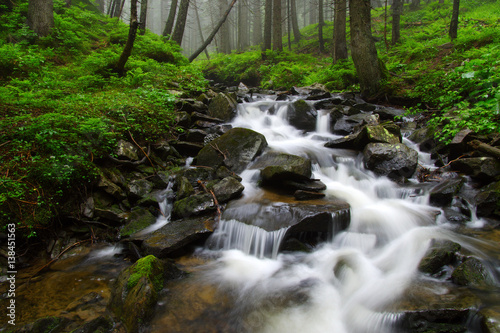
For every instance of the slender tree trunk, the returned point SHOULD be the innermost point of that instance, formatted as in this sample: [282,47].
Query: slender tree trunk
[198,22]
[169,25]
[454,19]
[41,16]
[132,32]
[277,32]
[397,9]
[214,32]
[364,52]
[321,23]
[268,25]
[295,22]
[144,14]
[339,31]
[225,33]
[181,22]
[257,23]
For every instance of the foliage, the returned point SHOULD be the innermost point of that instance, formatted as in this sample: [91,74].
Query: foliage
[62,109]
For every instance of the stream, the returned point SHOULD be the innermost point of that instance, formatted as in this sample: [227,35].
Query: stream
[350,281]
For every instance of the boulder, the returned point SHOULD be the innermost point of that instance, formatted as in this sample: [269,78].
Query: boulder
[186,148]
[135,292]
[302,116]
[442,253]
[488,201]
[190,105]
[139,188]
[388,113]
[223,106]
[395,161]
[424,137]
[347,125]
[176,237]
[137,220]
[227,189]
[193,205]
[442,194]
[234,149]
[277,167]
[322,216]
[126,151]
[472,272]
[368,134]
[483,169]
[184,188]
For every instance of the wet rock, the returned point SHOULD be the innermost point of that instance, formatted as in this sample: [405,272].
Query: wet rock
[47,324]
[393,129]
[139,188]
[235,150]
[87,208]
[442,253]
[483,169]
[175,238]
[197,117]
[320,217]
[135,292]
[137,220]
[307,195]
[184,188]
[223,106]
[458,145]
[329,103]
[223,172]
[193,175]
[315,89]
[443,193]
[309,185]
[472,272]
[349,124]
[190,105]
[193,205]
[490,319]
[111,188]
[302,116]
[434,307]
[366,107]
[126,151]
[395,161]
[377,134]
[186,148]
[388,113]
[277,167]
[424,137]
[183,119]
[227,189]
[165,151]
[488,201]
[110,214]
[196,135]
[97,325]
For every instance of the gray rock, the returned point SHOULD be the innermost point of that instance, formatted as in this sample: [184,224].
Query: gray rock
[442,194]
[137,220]
[174,238]
[302,116]
[139,188]
[235,150]
[395,161]
[223,106]
[439,255]
[227,189]
[480,168]
[126,150]
[277,167]
[472,272]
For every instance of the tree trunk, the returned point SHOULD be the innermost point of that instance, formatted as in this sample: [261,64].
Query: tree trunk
[41,16]
[321,23]
[257,23]
[214,32]
[181,22]
[364,53]
[339,31]
[277,32]
[415,4]
[268,25]
[295,21]
[169,25]
[454,19]
[225,33]
[198,22]
[144,14]
[132,32]
[397,10]
[242,26]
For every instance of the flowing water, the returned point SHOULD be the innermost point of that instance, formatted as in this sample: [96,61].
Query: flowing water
[345,284]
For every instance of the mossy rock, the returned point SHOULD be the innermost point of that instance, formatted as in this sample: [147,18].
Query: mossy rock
[193,205]
[235,150]
[138,219]
[135,292]
[441,254]
[472,272]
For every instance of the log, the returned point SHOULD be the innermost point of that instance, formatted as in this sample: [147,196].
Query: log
[485,148]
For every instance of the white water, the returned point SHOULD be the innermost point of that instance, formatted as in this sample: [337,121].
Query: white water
[347,283]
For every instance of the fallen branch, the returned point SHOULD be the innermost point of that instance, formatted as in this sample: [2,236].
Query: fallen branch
[58,256]
[215,147]
[485,148]
[216,202]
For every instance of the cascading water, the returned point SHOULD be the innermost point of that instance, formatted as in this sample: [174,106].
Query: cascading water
[343,285]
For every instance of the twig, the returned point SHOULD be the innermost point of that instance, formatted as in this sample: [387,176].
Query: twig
[456,159]
[214,146]
[216,202]
[6,142]
[57,258]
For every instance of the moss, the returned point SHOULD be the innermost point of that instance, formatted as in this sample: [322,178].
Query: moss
[149,267]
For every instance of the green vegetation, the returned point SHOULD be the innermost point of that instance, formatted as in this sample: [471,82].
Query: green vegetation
[63,109]
[457,82]
[149,267]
